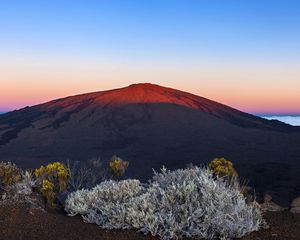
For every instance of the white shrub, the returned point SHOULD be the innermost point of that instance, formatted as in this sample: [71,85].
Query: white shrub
[105,203]
[79,202]
[182,203]
[25,186]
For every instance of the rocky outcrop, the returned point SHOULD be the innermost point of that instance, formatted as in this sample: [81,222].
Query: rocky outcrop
[269,206]
[295,205]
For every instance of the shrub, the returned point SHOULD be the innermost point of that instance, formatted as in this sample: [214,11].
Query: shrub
[10,174]
[52,180]
[104,204]
[26,185]
[117,166]
[47,190]
[85,174]
[19,188]
[184,203]
[222,168]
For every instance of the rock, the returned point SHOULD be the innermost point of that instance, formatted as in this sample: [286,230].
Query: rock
[31,213]
[267,198]
[295,206]
[295,210]
[4,196]
[296,203]
[271,207]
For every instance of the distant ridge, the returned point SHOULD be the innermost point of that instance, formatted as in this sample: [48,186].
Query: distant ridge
[150,126]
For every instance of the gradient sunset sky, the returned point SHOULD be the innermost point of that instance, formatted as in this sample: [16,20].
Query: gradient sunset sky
[245,54]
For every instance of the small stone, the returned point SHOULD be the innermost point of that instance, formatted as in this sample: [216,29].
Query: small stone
[267,198]
[271,207]
[295,203]
[295,210]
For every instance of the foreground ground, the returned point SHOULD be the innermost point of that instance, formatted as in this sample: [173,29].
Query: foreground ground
[18,223]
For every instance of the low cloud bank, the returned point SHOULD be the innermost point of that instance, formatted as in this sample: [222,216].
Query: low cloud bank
[292,120]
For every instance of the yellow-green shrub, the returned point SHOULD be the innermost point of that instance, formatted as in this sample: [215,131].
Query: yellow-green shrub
[53,179]
[222,167]
[10,174]
[117,166]
[48,191]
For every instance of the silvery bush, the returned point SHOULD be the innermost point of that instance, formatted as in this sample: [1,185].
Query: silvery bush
[175,204]
[106,204]
[25,186]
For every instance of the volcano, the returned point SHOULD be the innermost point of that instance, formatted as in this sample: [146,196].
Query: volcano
[151,126]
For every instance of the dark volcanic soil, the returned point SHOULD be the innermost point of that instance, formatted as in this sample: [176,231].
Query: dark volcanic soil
[19,223]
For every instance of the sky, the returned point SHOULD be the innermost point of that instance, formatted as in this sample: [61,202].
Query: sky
[245,54]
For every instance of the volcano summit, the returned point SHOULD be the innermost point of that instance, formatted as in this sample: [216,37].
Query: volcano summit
[150,126]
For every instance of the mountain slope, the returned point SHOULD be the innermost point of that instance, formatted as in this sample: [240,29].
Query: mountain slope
[151,126]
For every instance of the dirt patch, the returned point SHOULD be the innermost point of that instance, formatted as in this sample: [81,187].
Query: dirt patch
[282,225]
[20,223]
[17,223]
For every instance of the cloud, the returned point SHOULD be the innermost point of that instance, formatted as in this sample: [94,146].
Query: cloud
[292,120]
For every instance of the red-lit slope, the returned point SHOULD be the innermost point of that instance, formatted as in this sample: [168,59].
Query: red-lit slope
[146,93]
[135,94]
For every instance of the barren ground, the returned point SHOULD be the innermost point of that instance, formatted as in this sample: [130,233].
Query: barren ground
[20,223]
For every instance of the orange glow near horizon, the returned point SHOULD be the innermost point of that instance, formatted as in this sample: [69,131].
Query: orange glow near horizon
[254,90]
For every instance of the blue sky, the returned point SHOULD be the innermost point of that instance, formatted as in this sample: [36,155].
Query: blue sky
[165,28]
[225,36]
